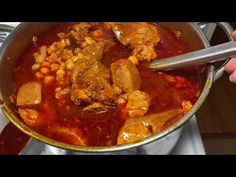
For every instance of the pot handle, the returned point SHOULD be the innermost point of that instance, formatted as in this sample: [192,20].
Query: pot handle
[227,28]
[4,31]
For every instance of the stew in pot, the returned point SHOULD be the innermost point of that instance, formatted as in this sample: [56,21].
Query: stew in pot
[88,84]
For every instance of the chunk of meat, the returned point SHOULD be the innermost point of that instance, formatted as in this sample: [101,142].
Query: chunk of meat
[101,91]
[29,94]
[80,96]
[138,128]
[96,70]
[30,116]
[142,37]
[88,65]
[68,134]
[96,50]
[79,32]
[138,103]
[144,52]
[134,104]
[82,65]
[97,90]
[132,34]
[125,75]
[158,121]
[83,26]
[95,108]
[132,133]
[91,79]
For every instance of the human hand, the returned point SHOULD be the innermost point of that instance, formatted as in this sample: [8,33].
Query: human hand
[230,67]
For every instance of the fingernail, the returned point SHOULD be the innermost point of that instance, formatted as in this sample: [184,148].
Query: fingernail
[232,79]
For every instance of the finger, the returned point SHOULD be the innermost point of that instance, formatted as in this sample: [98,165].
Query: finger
[230,66]
[234,35]
[232,77]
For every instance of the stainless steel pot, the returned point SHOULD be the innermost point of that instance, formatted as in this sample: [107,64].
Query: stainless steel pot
[164,142]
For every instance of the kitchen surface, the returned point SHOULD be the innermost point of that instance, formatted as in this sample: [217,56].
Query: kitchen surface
[211,131]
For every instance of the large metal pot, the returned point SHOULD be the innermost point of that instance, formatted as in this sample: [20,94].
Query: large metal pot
[21,38]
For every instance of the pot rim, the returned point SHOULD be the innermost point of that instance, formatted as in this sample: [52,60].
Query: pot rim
[95,149]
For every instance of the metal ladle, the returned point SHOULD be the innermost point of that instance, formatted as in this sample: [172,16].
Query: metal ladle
[204,56]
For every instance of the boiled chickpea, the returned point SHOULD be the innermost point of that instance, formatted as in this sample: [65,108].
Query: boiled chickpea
[54,67]
[48,79]
[35,67]
[44,70]
[70,65]
[39,75]
[45,64]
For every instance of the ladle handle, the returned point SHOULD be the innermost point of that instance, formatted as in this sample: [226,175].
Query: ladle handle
[210,55]
[204,56]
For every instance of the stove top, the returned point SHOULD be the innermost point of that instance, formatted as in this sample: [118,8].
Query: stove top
[190,141]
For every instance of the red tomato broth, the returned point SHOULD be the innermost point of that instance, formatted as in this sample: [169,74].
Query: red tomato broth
[102,129]
[12,140]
